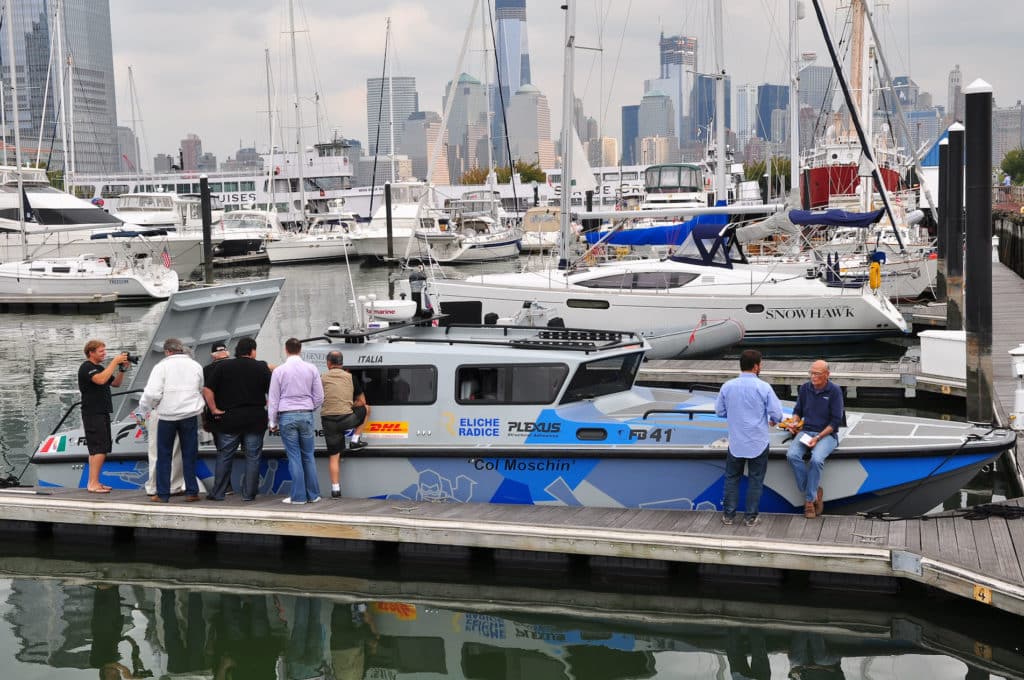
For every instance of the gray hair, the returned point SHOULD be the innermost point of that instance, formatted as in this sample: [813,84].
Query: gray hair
[174,346]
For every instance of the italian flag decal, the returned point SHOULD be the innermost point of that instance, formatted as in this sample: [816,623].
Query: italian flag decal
[56,444]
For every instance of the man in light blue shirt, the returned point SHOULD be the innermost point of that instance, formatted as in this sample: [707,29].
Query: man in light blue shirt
[751,408]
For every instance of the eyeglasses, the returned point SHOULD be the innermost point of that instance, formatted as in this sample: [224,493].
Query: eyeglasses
[813,373]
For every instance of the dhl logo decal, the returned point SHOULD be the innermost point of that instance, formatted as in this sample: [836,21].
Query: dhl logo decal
[385,430]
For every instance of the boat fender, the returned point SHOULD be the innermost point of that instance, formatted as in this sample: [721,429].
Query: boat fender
[875,275]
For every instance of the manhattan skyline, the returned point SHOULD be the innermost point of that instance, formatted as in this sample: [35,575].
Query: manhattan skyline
[207,76]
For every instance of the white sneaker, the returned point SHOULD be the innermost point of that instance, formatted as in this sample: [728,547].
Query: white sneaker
[316,500]
[291,502]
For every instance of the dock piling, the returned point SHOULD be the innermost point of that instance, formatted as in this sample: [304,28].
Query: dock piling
[977,294]
[204,202]
[955,230]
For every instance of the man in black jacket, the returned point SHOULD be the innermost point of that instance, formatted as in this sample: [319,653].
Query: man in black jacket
[236,394]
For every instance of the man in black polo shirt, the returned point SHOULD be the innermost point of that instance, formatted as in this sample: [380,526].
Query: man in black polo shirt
[236,394]
[819,404]
[94,382]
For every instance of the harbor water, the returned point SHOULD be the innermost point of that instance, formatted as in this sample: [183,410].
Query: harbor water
[74,606]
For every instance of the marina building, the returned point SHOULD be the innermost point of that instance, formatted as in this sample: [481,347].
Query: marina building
[88,87]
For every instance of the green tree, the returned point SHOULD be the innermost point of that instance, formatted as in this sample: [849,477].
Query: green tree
[529,172]
[757,170]
[1013,165]
[474,176]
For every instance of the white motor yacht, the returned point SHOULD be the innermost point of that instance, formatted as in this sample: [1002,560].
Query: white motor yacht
[326,239]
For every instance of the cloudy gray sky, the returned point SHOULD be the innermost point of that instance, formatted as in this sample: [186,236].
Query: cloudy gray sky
[199,64]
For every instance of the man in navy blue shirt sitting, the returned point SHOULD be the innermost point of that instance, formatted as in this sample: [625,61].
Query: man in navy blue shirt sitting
[819,405]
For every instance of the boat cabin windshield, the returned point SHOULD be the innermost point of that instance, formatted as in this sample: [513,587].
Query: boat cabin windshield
[245,221]
[673,178]
[706,245]
[603,376]
[145,202]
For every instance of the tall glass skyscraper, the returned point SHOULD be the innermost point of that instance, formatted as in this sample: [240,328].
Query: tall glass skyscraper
[512,55]
[90,81]
[379,96]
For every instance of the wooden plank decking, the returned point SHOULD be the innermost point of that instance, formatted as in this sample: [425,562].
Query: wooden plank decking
[979,560]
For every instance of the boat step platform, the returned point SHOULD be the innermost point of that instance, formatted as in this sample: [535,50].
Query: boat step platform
[978,559]
[904,377]
[58,304]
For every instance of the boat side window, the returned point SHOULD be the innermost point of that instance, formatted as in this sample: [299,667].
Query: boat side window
[61,270]
[619,281]
[111,190]
[603,376]
[511,384]
[662,280]
[397,385]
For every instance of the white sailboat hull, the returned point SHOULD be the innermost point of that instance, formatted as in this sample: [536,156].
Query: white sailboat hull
[302,249]
[773,309]
[19,279]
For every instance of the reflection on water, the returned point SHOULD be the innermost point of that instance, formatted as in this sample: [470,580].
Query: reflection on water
[150,624]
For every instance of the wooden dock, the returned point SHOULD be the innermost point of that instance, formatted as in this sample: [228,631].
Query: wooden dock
[58,304]
[979,560]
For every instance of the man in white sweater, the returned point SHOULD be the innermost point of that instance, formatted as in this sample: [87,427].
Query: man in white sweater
[175,391]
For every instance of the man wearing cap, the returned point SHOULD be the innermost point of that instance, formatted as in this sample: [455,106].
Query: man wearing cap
[218,353]
[175,391]
[236,395]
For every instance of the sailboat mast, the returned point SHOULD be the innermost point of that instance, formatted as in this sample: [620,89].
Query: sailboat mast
[568,74]
[58,17]
[391,102]
[487,85]
[721,190]
[131,105]
[794,95]
[9,20]
[301,155]
[270,136]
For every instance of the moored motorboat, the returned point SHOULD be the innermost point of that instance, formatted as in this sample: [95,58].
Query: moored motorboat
[512,414]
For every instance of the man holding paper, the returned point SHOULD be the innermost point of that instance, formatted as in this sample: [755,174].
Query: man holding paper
[818,415]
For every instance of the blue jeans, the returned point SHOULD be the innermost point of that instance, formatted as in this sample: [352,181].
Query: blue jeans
[756,468]
[808,476]
[297,436]
[227,444]
[187,432]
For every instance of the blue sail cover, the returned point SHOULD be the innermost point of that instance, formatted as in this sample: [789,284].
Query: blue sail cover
[666,235]
[834,218]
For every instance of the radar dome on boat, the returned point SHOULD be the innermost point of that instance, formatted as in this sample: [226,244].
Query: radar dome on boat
[391,310]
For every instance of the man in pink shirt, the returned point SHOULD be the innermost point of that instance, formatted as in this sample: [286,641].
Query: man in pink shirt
[295,394]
